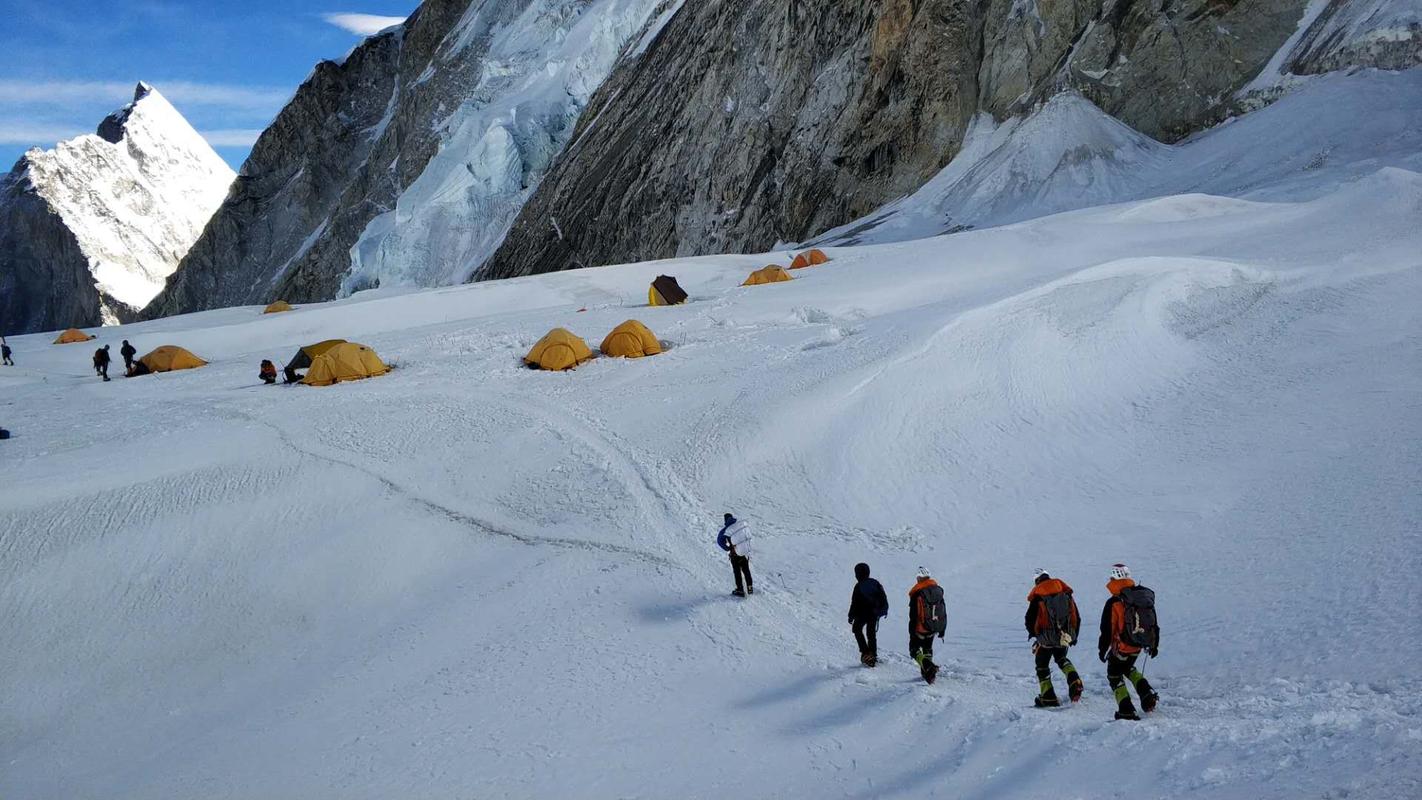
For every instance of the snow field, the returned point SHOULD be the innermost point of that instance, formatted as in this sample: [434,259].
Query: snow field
[469,579]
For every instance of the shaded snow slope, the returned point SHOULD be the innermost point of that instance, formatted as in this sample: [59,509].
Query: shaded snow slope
[469,579]
[1069,154]
[135,195]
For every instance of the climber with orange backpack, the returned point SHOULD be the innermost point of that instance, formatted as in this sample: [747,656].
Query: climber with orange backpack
[1128,628]
[1053,623]
[928,617]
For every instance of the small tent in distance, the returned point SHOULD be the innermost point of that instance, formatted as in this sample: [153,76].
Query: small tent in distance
[559,349]
[631,339]
[345,361]
[277,307]
[169,358]
[305,356]
[770,274]
[665,291]
[72,336]
[809,258]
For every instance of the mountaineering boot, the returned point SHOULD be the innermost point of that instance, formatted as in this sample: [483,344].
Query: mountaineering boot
[1149,701]
[750,590]
[1046,702]
[738,592]
[1074,689]
[868,659]
[1130,715]
[1125,708]
[1046,694]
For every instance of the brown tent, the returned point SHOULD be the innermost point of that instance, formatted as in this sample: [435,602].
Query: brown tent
[665,291]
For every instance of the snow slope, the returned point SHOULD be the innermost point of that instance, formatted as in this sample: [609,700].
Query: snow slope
[1069,154]
[136,195]
[469,579]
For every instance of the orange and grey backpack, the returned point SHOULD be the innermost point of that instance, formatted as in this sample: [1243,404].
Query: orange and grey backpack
[932,611]
[1058,620]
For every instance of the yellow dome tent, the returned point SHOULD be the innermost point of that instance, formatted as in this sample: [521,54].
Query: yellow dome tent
[73,335]
[665,291]
[809,258]
[171,357]
[770,274]
[344,361]
[631,339]
[277,307]
[560,349]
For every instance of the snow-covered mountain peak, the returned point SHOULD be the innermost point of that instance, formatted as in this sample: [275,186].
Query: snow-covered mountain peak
[135,194]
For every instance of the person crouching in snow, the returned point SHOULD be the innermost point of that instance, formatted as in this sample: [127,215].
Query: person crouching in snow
[268,373]
[735,539]
[928,617]
[867,605]
[1128,627]
[1053,623]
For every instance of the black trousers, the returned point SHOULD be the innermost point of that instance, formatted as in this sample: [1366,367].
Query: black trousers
[924,643]
[127,363]
[866,633]
[103,369]
[740,565]
[1045,656]
[1118,672]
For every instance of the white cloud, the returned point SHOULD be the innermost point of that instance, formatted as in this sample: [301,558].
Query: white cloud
[36,134]
[361,24]
[232,137]
[257,99]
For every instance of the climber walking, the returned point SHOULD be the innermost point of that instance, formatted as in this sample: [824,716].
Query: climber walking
[101,362]
[735,539]
[128,353]
[1128,628]
[1053,623]
[867,605]
[5,354]
[928,617]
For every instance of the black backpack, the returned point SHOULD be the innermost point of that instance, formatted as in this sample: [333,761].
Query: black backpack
[1140,628]
[1058,616]
[932,611]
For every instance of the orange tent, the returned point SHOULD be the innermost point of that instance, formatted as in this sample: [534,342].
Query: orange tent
[631,339]
[73,335]
[809,258]
[560,349]
[770,274]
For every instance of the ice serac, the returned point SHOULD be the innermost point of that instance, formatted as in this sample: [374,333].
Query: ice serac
[823,110]
[1386,34]
[90,229]
[405,163]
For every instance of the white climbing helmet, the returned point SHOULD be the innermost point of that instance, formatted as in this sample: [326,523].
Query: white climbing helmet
[923,573]
[1120,572]
[1040,574]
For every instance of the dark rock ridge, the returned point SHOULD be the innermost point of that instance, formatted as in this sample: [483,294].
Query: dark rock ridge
[44,276]
[752,122]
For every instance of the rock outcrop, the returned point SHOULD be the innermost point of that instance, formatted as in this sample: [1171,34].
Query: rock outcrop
[90,229]
[752,122]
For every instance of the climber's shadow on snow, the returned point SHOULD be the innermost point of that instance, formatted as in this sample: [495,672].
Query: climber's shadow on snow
[795,688]
[677,611]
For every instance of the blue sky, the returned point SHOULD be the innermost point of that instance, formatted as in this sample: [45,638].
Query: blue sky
[228,65]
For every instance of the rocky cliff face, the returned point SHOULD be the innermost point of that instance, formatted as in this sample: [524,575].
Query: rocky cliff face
[750,122]
[90,229]
[408,160]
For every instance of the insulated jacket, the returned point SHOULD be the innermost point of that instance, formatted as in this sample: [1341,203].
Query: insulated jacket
[913,604]
[127,351]
[1036,619]
[1113,619]
[868,602]
[735,538]
[101,356]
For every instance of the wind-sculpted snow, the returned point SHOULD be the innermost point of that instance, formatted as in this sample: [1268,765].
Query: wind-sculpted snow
[466,578]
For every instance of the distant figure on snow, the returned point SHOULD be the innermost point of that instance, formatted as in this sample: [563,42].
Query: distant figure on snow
[268,373]
[1128,627]
[735,539]
[128,353]
[101,362]
[1053,623]
[867,605]
[928,617]
[5,355]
